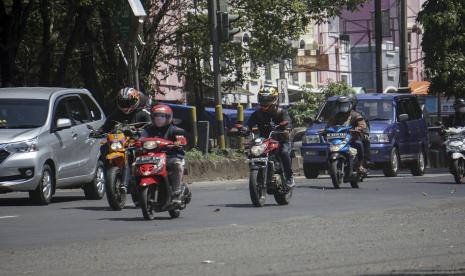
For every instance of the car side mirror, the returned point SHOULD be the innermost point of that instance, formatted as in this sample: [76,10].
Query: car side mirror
[403,117]
[63,123]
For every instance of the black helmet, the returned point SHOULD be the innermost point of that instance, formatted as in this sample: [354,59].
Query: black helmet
[459,106]
[344,104]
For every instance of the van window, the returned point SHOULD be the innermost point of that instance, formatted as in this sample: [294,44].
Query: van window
[94,111]
[403,108]
[414,109]
[375,109]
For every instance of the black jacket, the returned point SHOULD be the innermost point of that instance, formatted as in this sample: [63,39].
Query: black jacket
[263,119]
[169,133]
[455,121]
[138,116]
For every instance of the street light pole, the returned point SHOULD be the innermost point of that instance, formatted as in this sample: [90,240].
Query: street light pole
[378,42]
[403,45]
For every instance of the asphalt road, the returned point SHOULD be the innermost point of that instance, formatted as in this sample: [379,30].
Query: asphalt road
[390,226]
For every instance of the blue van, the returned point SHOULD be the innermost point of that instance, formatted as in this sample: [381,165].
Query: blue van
[398,134]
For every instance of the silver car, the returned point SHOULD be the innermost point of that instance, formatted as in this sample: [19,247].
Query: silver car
[45,144]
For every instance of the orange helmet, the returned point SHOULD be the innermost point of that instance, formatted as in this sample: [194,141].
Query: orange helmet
[161,114]
[128,100]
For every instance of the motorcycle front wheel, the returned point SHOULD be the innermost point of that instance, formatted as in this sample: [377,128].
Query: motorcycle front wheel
[336,171]
[257,187]
[116,198]
[147,197]
[283,198]
[458,170]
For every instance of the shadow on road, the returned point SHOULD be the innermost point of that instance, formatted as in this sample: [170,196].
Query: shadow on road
[24,201]
[321,187]
[97,208]
[135,219]
[238,205]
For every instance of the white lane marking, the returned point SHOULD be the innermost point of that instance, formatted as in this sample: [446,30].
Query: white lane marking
[8,217]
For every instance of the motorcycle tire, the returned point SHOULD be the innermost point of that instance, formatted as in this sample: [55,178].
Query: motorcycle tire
[458,170]
[257,187]
[336,171]
[147,195]
[174,213]
[283,198]
[115,198]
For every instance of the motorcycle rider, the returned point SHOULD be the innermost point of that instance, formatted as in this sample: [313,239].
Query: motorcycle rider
[346,115]
[458,118]
[270,112]
[130,107]
[162,127]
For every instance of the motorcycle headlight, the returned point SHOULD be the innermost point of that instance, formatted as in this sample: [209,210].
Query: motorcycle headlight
[23,146]
[311,139]
[115,146]
[258,150]
[456,144]
[150,145]
[379,138]
[336,147]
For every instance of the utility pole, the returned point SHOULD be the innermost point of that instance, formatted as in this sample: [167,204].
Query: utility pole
[378,42]
[213,20]
[403,46]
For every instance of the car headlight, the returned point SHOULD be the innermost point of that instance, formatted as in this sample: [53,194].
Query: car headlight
[115,146]
[258,150]
[23,146]
[311,139]
[379,138]
[150,145]
[336,147]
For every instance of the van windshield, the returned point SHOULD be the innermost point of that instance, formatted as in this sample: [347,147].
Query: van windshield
[374,110]
[22,113]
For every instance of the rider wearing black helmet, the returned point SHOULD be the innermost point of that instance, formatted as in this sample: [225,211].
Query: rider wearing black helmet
[346,115]
[269,113]
[458,118]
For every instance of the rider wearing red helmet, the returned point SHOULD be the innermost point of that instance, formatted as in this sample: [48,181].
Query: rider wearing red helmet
[162,127]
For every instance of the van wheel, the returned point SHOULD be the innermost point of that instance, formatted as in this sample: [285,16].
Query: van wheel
[96,188]
[418,168]
[391,168]
[42,195]
[310,173]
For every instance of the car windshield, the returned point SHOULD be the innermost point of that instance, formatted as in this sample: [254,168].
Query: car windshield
[22,113]
[374,110]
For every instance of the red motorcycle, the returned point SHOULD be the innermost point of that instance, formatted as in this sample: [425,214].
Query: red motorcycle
[266,168]
[155,190]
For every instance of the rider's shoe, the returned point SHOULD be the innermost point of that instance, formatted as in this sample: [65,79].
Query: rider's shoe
[290,182]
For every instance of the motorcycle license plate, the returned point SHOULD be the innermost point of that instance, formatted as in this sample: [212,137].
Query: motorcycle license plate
[336,135]
[261,159]
[147,160]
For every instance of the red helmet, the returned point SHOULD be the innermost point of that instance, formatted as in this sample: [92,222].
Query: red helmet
[128,100]
[162,115]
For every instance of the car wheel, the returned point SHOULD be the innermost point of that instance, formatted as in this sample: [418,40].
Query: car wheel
[391,168]
[418,168]
[43,193]
[311,172]
[96,188]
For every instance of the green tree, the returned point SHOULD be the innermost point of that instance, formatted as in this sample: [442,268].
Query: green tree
[444,45]
[312,101]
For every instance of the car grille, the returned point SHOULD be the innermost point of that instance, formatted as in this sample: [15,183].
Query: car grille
[3,155]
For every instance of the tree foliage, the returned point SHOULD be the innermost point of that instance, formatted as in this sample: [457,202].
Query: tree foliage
[73,43]
[444,45]
[312,101]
